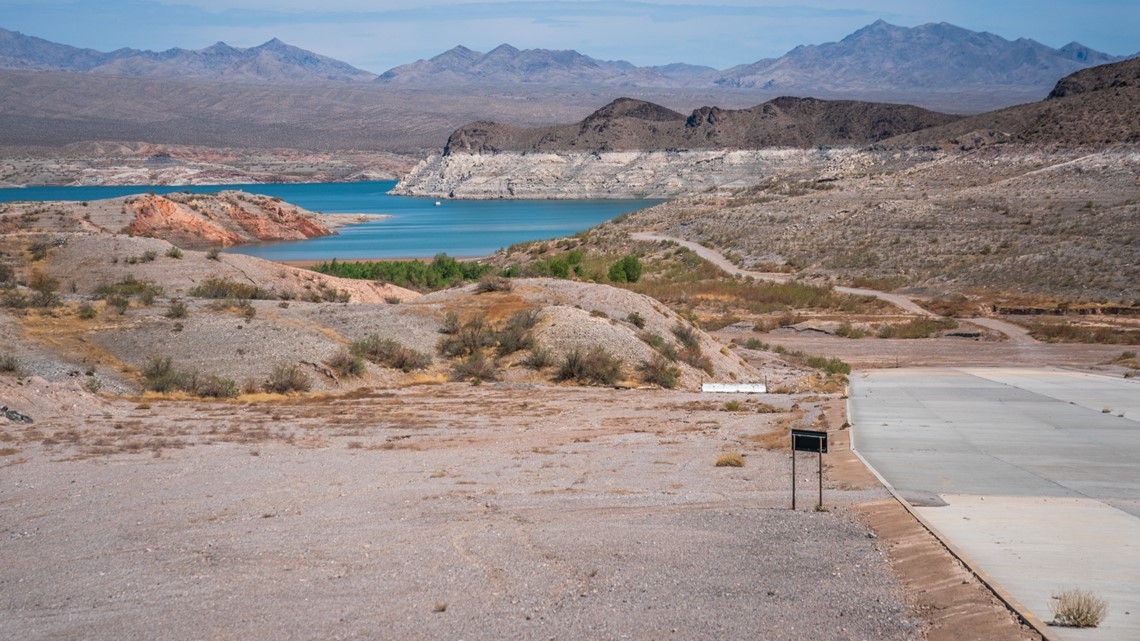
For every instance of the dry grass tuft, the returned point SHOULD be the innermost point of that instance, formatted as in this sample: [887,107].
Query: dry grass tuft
[1077,609]
[730,459]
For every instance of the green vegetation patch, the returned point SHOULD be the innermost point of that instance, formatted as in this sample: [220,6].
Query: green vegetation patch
[442,272]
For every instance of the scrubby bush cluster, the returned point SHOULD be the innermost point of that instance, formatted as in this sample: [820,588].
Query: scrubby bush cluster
[388,352]
[592,366]
[119,295]
[660,371]
[918,328]
[472,339]
[287,377]
[162,376]
[346,364]
[225,288]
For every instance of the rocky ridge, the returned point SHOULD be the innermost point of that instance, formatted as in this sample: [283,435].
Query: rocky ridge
[633,148]
[613,174]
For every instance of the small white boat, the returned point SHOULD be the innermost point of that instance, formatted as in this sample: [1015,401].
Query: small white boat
[437,203]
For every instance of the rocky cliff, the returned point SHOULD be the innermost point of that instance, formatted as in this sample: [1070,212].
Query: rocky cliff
[612,174]
[633,148]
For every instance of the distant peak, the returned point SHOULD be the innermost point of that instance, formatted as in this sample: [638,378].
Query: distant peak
[504,48]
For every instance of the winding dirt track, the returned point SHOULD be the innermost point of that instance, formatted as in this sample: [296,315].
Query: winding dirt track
[716,258]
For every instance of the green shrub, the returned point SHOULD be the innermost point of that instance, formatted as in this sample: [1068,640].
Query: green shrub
[286,378]
[177,309]
[626,270]
[87,311]
[513,338]
[224,288]
[39,250]
[161,376]
[346,364]
[174,252]
[635,319]
[756,344]
[118,303]
[918,328]
[659,371]
[594,366]
[687,335]
[211,386]
[128,287]
[658,343]
[538,358]
[830,365]
[214,254]
[443,271]
[847,331]
[475,368]
[471,337]
[696,359]
[451,324]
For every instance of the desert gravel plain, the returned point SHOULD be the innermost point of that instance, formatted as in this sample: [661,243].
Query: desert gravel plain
[452,511]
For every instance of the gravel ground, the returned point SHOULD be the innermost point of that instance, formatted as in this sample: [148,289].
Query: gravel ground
[437,512]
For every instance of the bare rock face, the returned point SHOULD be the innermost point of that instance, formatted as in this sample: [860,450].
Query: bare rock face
[632,148]
[635,125]
[612,174]
[221,220]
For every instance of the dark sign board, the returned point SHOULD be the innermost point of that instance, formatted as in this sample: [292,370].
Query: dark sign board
[809,441]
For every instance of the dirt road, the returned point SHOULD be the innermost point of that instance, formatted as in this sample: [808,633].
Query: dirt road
[720,261]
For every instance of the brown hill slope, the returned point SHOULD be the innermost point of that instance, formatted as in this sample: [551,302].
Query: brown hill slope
[628,124]
[1092,107]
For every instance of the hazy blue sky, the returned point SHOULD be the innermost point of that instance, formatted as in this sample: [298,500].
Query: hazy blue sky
[379,34]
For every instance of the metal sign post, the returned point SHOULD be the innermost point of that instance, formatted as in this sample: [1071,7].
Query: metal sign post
[808,441]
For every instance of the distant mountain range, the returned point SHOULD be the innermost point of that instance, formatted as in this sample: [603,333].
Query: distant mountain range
[273,61]
[1098,106]
[506,65]
[931,58]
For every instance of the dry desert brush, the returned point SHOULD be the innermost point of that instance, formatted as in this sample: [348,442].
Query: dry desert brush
[730,459]
[285,378]
[388,352]
[594,366]
[1077,609]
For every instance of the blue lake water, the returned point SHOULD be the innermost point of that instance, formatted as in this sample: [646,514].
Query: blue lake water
[417,227]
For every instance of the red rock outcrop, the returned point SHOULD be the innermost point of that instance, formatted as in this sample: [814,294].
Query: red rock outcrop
[220,221]
[159,217]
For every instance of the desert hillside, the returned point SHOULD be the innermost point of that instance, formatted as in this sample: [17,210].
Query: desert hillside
[635,125]
[113,287]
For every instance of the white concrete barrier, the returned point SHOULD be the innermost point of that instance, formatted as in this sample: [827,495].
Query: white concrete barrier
[738,388]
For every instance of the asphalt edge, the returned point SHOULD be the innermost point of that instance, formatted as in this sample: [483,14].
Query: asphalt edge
[1021,612]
